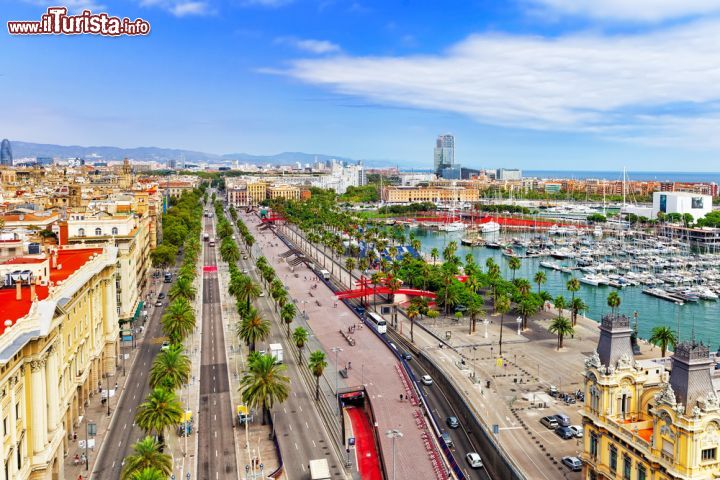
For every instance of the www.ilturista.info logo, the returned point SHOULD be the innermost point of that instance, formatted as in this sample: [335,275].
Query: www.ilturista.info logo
[57,22]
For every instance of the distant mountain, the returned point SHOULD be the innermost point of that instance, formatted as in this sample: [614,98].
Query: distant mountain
[27,149]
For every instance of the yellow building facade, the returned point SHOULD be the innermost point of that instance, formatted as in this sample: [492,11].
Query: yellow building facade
[435,194]
[58,341]
[649,419]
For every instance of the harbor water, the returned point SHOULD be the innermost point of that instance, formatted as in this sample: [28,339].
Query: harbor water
[702,317]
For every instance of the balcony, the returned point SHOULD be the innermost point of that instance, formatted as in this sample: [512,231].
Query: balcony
[635,429]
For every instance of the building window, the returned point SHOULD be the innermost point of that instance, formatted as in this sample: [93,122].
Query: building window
[5,429]
[627,467]
[593,445]
[81,232]
[98,232]
[114,231]
[17,411]
[642,473]
[709,454]
[613,458]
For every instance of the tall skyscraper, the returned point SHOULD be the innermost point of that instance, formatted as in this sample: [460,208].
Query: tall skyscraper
[5,153]
[444,152]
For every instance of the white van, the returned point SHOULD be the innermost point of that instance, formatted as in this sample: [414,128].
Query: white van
[325,274]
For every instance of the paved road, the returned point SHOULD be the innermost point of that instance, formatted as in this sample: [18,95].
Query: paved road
[216,439]
[119,440]
[298,425]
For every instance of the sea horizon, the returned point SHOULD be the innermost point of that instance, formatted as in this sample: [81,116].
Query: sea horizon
[659,176]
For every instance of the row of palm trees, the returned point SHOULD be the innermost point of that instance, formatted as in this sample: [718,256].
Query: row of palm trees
[170,369]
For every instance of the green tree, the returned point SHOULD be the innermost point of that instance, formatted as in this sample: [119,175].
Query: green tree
[514,265]
[560,304]
[264,385]
[562,327]
[540,278]
[412,313]
[502,306]
[253,329]
[300,337]
[179,320]
[577,306]
[317,364]
[573,285]
[146,454]
[248,291]
[159,411]
[149,473]
[663,337]
[164,255]
[287,313]
[434,254]
[170,369]
[183,287]
[474,309]
[613,301]
[526,309]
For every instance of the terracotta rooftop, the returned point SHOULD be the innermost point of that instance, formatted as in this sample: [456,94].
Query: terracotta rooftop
[12,309]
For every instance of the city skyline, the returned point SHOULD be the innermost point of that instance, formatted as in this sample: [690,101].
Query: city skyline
[249,72]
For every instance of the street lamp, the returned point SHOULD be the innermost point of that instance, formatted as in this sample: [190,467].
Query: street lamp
[486,322]
[394,433]
[518,320]
[337,370]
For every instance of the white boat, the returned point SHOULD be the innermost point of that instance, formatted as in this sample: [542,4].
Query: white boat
[490,227]
[550,265]
[595,280]
[452,227]
[598,231]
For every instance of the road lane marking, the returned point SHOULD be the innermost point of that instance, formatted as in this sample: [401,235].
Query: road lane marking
[314,446]
[296,447]
[290,425]
[307,426]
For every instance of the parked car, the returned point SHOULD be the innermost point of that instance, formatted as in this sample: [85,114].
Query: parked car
[159,303]
[426,380]
[550,422]
[161,295]
[573,463]
[562,420]
[406,356]
[564,432]
[165,346]
[577,430]
[452,422]
[447,439]
[474,460]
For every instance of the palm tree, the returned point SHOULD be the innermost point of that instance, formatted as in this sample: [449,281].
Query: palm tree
[264,384]
[434,254]
[170,369]
[287,313]
[300,337]
[160,410]
[376,279]
[179,320]
[474,309]
[248,291]
[663,337]
[523,286]
[545,297]
[146,454]
[560,304]
[350,266]
[562,327]
[577,305]
[613,301]
[514,265]
[502,306]
[412,313]
[539,279]
[182,287]
[573,285]
[253,329]
[149,473]
[527,308]
[317,364]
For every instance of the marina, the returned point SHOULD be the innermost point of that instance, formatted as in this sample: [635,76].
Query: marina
[664,283]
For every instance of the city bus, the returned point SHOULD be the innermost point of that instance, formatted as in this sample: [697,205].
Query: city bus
[378,322]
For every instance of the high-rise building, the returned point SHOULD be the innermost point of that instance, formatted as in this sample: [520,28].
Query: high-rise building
[508,174]
[444,152]
[6,157]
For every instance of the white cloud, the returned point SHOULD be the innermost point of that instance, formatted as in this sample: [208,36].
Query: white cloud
[631,10]
[309,45]
[181,8]
[629,85]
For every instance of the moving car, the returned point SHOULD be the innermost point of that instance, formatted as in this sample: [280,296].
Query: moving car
[452,422]
[577,430]
[426,380]
[573,463]
[159,303]
[447,439]
[474,460]
[406,356]
[161,295]
[550,422]
[564,432]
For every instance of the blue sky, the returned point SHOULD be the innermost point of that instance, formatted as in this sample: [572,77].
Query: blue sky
[535,84]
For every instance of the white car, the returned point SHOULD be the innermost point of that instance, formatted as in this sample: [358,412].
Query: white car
[426,380]
[165,346]
[474,460]
[577,430]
